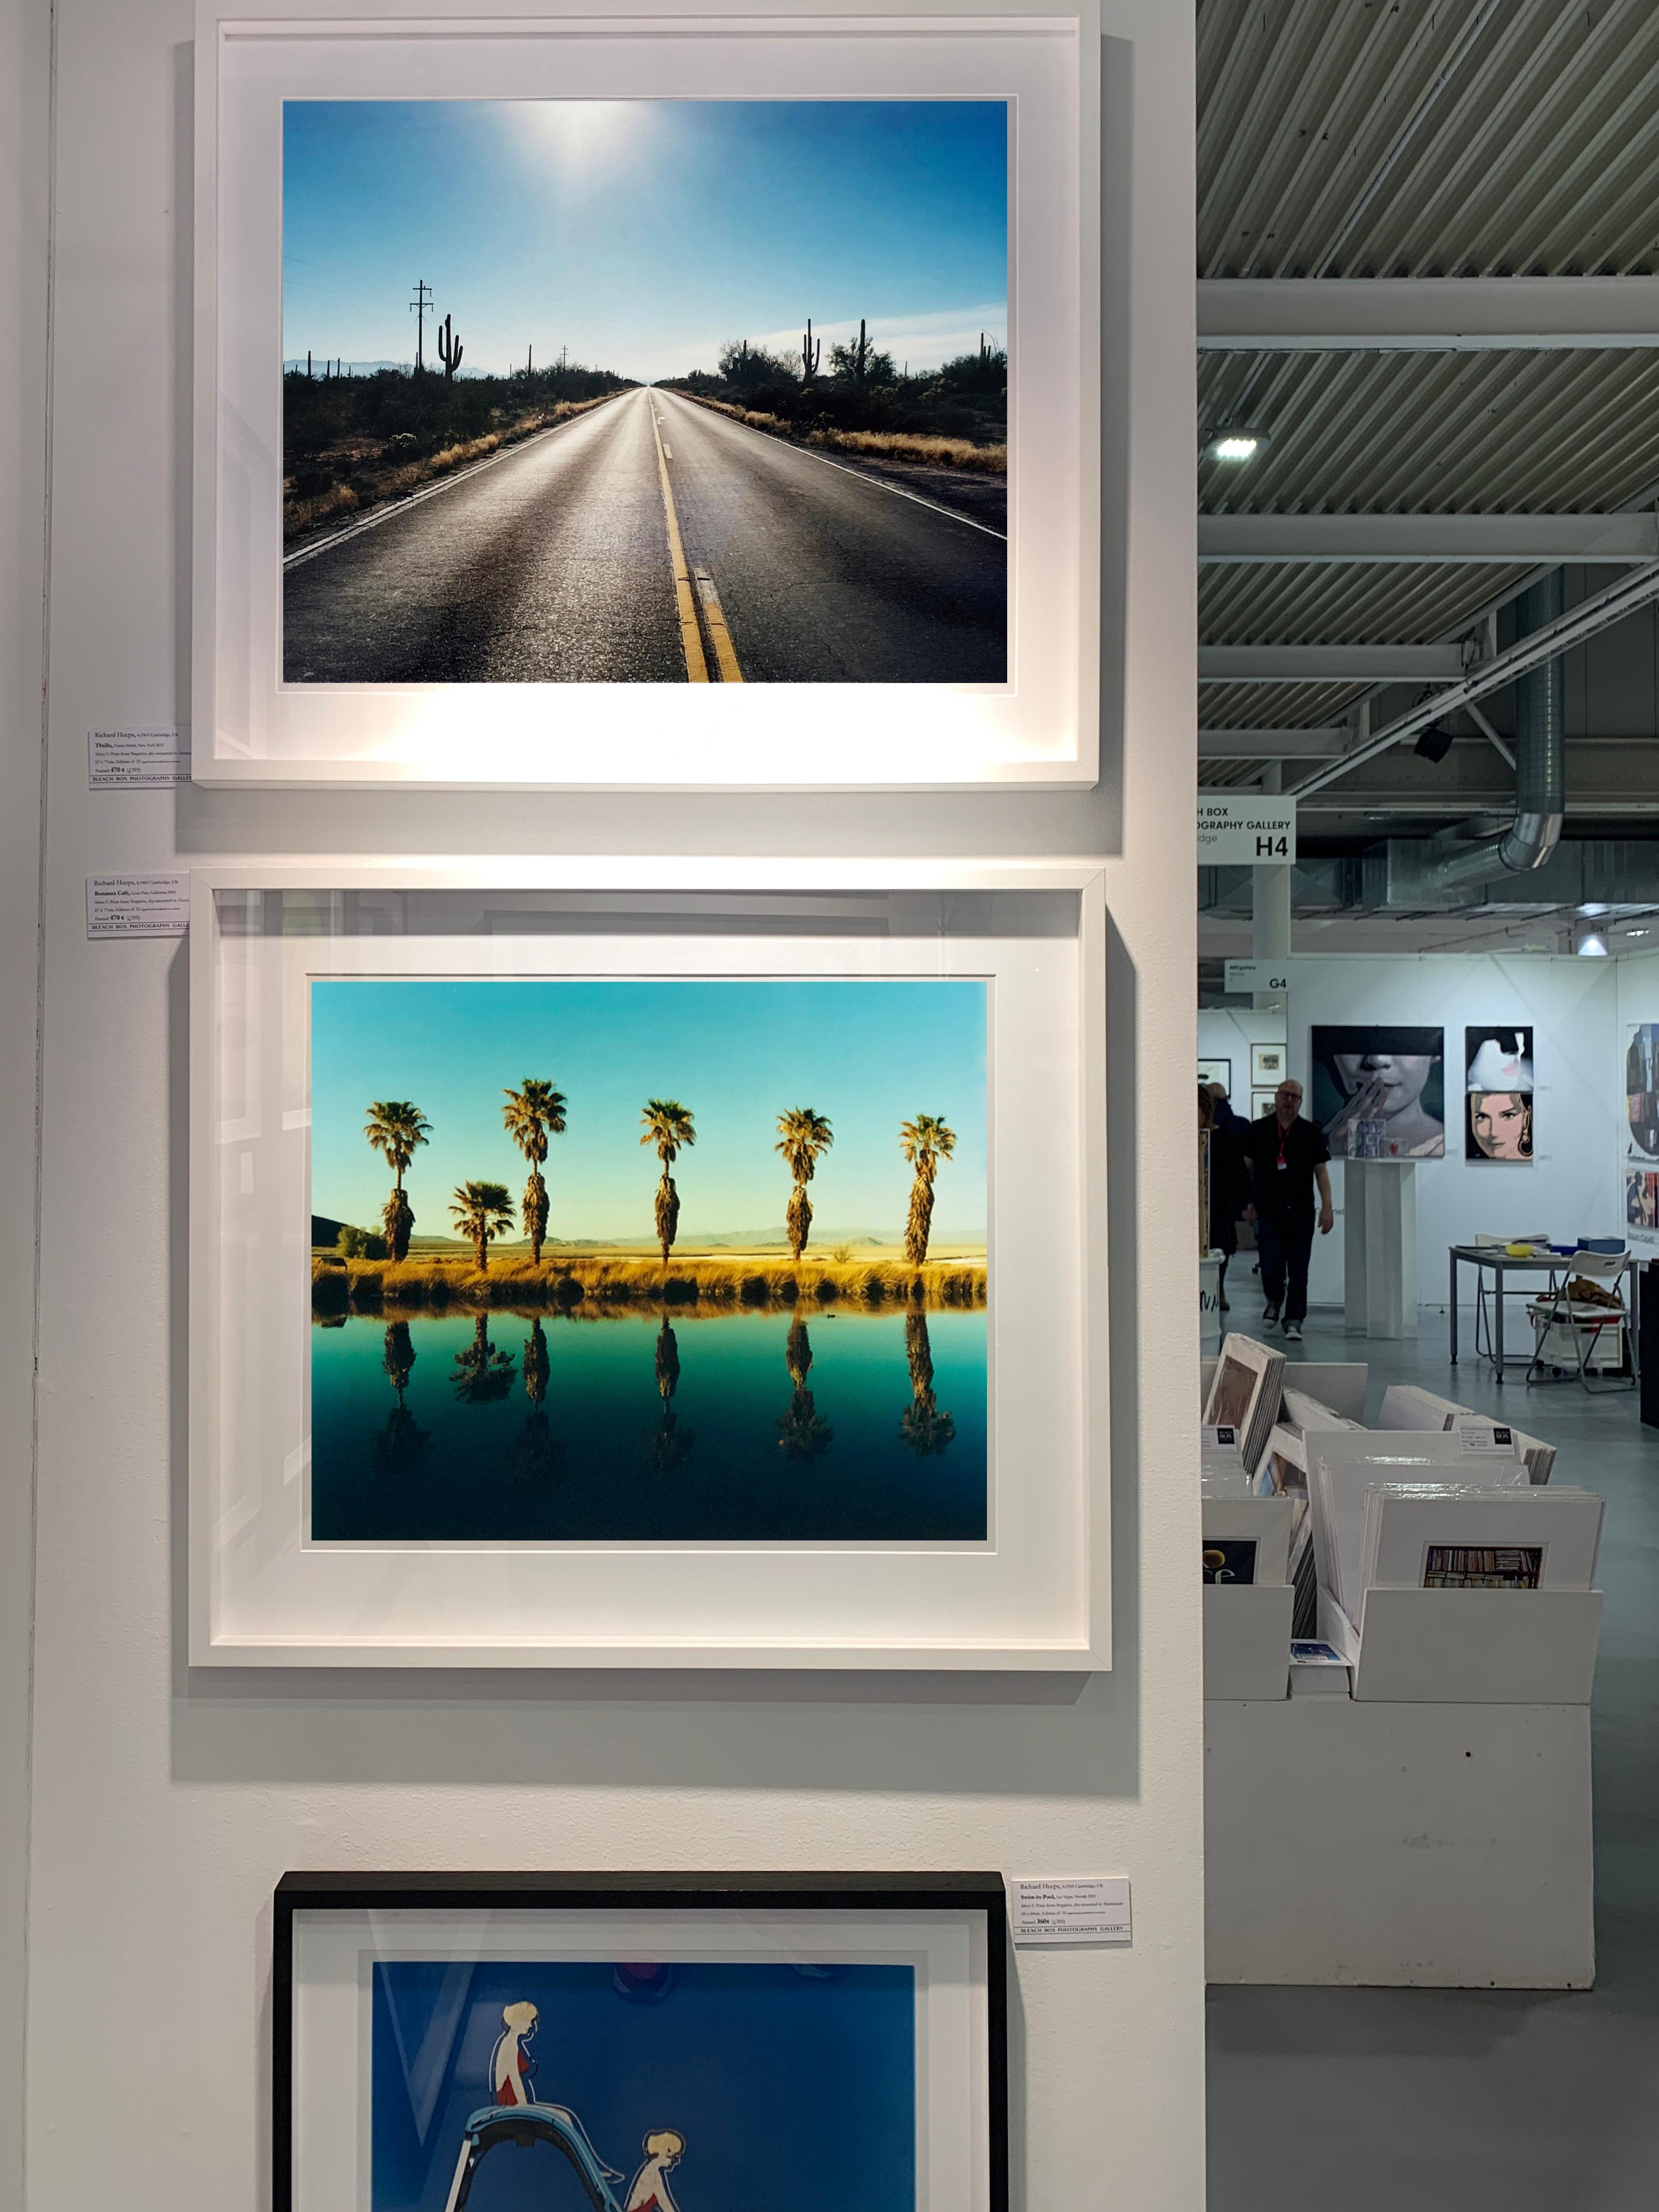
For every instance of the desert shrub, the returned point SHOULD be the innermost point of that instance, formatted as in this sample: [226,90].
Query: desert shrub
[826,1290]
[753,1290]
[567,1292]
[329,1288]
[677,1290]
[871,1287]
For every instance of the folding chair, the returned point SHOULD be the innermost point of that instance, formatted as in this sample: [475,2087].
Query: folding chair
[1558,1317]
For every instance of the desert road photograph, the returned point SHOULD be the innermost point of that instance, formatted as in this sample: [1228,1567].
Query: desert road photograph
[533,435]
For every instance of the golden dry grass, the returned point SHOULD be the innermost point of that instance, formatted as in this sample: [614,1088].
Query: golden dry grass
[601,1281]
[915,446]
[933,453]
[394,483]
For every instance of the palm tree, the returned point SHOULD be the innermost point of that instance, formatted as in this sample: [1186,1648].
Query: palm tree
[668,1127]
[482,1211]
[803,1136]
[924,1142]
[395,1127]
[532,1113]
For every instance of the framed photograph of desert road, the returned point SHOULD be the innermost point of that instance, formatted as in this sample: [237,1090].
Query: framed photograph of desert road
[507,484]
[638,2040]
[601,1263]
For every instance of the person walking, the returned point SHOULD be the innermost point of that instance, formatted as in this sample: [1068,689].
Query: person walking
[1230,1189]
[1287,1157]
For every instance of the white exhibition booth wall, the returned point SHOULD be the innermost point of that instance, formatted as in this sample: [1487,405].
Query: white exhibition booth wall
[164,1800]
[1572,1187]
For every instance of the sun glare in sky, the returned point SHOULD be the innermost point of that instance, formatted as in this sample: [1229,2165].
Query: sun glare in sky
[641,235]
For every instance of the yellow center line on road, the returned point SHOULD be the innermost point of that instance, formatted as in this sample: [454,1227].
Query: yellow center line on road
[714,615]
[696,666]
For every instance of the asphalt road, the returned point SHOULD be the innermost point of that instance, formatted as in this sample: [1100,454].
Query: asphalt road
[555,564]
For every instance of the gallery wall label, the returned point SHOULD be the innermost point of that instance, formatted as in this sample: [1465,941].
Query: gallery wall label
[136,760]
[137,906]
[1070,1909]
[1243,830]
[1266,975]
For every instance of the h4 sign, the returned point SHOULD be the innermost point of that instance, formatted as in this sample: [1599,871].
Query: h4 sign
[1245,829]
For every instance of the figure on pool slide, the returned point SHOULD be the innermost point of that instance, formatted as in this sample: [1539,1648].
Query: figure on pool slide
[513,2076]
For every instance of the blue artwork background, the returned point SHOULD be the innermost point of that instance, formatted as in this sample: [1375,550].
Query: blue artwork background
[795,2092]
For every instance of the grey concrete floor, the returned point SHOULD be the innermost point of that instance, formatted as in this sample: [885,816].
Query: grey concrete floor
[1454,2100]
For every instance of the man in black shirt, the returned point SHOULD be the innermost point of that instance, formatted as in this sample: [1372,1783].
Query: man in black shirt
[1287,1157]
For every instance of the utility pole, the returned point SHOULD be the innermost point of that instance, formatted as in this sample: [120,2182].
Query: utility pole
[418,307]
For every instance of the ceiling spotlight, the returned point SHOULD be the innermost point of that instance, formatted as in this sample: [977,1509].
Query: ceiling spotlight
[1434,744]
[1591,945]
[1236,446]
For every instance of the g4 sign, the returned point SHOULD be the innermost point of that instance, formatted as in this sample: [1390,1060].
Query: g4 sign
[1245,829]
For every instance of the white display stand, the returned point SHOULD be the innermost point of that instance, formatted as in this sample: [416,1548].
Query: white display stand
[1247,1641]
[1424,1846]
[1488,1647]
[1209,1304]
[1379,1228]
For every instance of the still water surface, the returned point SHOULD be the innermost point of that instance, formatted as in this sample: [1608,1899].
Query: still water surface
[744,1427]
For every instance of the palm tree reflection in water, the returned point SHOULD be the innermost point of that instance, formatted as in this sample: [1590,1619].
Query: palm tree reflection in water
[402,1443]
[803,1433]
[670,1445]
[538,1454]
[922,1428]
[482,1375]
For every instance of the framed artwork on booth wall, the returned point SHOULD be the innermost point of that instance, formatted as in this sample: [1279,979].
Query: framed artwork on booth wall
[1217,1070]
[1498,1096]
[499,484]
[1378,1090]
[626,2041]
[1268,1064]
[603,1263]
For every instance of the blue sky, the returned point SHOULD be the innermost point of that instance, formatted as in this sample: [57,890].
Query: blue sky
[642,234]
[868,1054]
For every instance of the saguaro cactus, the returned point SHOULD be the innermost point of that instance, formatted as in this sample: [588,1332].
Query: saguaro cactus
[449,348]
[861,355]
[811,348]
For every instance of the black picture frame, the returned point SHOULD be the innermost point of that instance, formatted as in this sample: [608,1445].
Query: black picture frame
[774,1891]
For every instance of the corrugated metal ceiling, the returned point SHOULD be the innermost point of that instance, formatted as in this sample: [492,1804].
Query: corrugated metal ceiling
[1417,137]
[1535,150]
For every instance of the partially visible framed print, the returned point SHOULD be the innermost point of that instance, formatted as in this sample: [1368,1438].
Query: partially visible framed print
[677,1263]
[1262,1103]
[509,483]
[1216,1071]
[638,2042]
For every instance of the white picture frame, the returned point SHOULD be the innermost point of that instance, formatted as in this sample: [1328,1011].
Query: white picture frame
[1034,1595]
[1038,729]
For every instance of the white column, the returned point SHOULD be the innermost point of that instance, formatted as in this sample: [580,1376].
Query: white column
[1270,903]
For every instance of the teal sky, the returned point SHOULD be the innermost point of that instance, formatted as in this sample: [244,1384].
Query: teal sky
[869,1054]
[643,233]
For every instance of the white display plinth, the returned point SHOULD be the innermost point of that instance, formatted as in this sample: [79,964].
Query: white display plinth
[1247,1640]
[1379,1238]
[1423,1846]
[1209,1303]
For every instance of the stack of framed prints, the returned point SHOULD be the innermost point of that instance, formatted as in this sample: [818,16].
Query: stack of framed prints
[611,2040]
[551,500]
[649,1264]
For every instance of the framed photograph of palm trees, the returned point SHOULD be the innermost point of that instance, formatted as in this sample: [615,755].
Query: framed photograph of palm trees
[592,1271]
[638,2042]
[845,452]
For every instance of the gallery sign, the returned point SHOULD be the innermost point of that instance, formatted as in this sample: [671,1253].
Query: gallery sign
[1270,976]
[1243,830]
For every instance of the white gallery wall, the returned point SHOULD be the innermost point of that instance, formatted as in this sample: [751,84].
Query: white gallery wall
[165,1804]
[1570,1187]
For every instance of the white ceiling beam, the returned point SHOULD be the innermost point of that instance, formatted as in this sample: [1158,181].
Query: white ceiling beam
[1425,314]
[1273,744]
[1252,540]
[1330,664]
